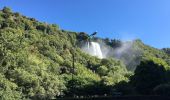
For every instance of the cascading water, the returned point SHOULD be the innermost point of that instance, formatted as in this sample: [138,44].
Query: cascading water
[93,48]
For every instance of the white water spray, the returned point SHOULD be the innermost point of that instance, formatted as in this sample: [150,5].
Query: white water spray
[93,48]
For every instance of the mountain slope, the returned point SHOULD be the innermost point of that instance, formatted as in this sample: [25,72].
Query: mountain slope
[36,61]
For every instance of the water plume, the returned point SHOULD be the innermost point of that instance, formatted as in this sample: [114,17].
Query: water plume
[94,49]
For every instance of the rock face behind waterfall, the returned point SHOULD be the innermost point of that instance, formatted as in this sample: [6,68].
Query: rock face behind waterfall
[93,48]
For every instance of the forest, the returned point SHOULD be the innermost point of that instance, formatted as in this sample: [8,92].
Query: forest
[40,61]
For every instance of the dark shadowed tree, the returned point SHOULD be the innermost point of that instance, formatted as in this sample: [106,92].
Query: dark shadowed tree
[148,75]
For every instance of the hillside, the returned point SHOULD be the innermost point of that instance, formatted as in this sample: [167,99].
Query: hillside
[36,61]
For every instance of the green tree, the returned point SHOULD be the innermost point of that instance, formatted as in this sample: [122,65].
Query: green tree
[148,75]
[102,70]
[6,10]
[8,90]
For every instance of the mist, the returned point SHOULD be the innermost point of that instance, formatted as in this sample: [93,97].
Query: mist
[127,52]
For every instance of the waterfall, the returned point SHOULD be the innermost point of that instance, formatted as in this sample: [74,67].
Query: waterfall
[93,48]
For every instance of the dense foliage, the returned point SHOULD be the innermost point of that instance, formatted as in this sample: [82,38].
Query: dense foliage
[36,61]
[41,61]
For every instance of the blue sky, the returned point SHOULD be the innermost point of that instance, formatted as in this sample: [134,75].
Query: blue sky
[148,20]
